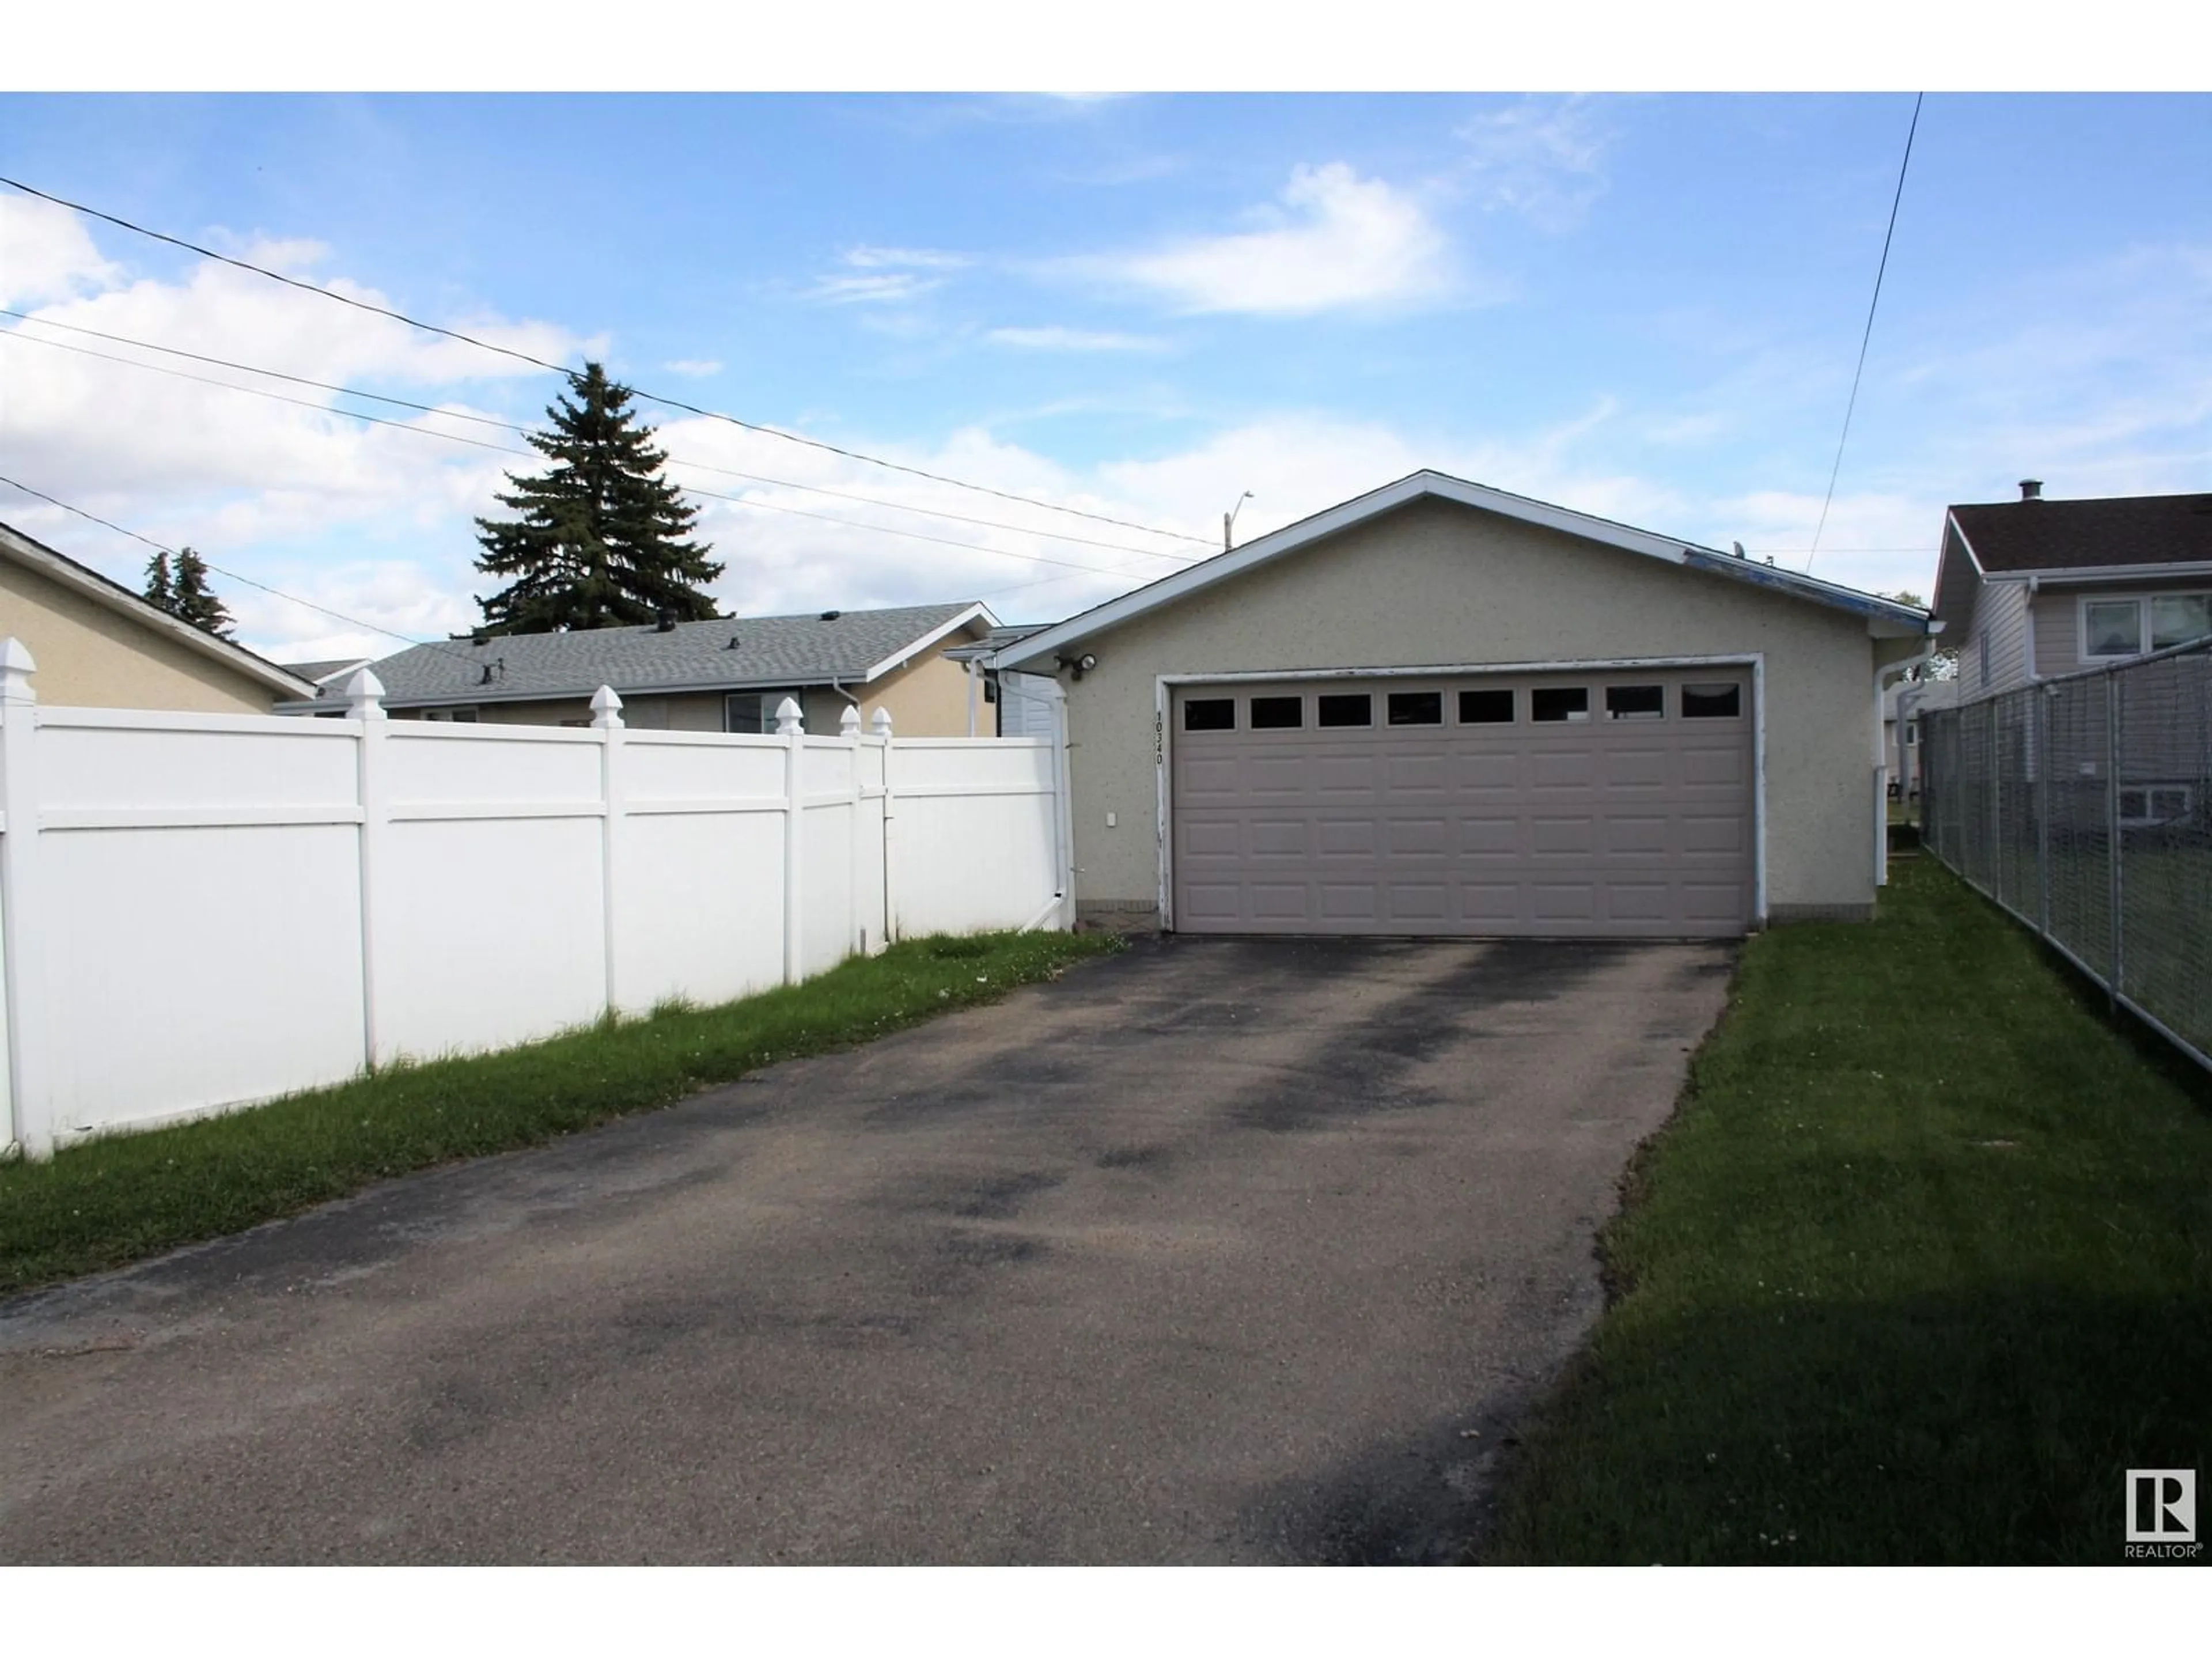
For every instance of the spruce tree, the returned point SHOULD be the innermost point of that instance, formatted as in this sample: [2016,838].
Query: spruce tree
[599,538]
[191,598]
[182,590]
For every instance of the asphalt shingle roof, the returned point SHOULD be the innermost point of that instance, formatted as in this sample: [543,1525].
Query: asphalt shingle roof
[733,652]
[2063,535]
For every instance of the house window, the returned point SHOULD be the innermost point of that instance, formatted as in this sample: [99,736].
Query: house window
[466,716]
[1346,708]
[1911,733]
[2129,627]
[2148,805]
[1560,703]
[1486,707]
[1415,708]
[2178,618]
[1719,701]
[1209,714]
[1278,714]
[754,712]
[1635,702]
[2112,627]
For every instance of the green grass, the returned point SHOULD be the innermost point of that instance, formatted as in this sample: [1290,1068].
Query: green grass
[116,1199]
[1923,1265]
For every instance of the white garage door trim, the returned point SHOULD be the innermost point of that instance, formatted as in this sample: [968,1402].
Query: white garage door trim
[1164,735]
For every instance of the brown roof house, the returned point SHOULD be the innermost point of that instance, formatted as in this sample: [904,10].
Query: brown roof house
[98,644]
[2031,589]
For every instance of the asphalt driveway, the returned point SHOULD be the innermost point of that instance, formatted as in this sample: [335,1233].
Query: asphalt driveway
[1229,1251]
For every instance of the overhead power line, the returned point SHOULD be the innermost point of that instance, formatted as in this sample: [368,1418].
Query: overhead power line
[294,598]
[511,426]
[523,454]
[519,355]
[1881,270]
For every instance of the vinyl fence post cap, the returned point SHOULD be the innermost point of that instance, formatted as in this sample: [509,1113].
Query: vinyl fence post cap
[849,723]
[882,723]
[790,718]
[607,707]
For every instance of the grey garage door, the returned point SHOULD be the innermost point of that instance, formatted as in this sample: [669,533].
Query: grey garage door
[1605,804]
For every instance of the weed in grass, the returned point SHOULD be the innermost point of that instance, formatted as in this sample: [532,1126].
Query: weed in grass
[121,1198]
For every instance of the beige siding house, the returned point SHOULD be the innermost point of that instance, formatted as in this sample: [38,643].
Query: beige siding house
[728,675]
[2037,588]
[1441,709]
[100,646]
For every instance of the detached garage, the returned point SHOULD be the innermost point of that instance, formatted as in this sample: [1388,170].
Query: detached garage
[1440,709]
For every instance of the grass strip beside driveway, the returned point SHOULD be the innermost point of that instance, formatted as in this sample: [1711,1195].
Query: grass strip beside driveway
[116,1199]
[1921,1268]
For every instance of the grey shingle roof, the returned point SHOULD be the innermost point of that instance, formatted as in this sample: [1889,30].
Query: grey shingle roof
[769,651]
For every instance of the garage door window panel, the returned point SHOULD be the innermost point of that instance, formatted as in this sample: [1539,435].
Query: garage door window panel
[1489,707]
[1554,704]
[1635,703]
[1279,714]
[1415,708]
[1343,708]
[1713,702]
[1209,714]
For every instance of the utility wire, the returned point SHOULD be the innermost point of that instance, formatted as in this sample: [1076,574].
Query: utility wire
[523,454]
[1868,335]
[510,425]
[163,547]
[559,368]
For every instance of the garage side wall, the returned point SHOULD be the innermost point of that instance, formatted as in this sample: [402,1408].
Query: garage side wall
[1437,584]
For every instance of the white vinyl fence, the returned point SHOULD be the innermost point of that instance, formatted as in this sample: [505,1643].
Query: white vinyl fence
[203,911]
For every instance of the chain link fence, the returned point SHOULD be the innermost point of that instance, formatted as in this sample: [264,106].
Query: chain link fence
[2083,805]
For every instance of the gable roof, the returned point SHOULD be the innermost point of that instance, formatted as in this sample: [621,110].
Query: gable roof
[2100,537]
[2098,534]
[1883,616]
[81,579]
[730,653]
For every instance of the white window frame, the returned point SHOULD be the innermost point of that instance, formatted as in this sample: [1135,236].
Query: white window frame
[2149,817]
[2143,604]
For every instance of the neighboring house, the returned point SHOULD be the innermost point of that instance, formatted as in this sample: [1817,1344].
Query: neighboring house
[1442,710]
[1003,705]
[98,644]
[728,675]
[2031,589]
[322,671]
[1902,705]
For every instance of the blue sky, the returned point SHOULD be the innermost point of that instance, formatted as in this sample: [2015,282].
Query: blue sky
[1646,307]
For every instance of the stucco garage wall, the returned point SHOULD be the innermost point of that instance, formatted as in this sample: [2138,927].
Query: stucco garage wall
[1436,584]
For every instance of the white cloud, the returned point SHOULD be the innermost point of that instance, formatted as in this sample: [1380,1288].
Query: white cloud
[1542,158]
[1073,339]
[694,368]
[885,275]
[46,254]
[1334,241]
[867,258]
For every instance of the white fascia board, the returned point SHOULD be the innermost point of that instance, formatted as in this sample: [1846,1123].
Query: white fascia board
[907,653]
[59,567]
[1441,486]
[2179,569]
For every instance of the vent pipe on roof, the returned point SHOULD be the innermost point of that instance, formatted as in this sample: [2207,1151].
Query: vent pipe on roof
[2031,489]
[832,616]
[666,623]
